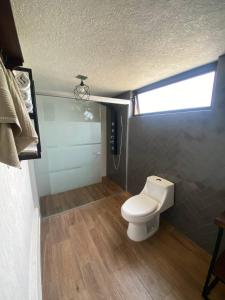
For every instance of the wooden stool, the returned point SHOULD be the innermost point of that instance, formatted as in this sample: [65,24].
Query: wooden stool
[217,266]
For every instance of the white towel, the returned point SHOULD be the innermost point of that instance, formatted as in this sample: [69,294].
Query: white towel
[16,129]
[22,80]
[27,100]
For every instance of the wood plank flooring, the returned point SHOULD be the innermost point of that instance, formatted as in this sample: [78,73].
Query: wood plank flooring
[86,255]
[57,203]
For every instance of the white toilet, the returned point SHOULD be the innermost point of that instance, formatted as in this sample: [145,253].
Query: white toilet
[142,211]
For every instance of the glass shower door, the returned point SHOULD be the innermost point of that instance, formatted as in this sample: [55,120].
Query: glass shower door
[71,144]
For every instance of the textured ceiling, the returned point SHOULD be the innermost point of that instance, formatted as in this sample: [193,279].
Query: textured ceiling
[119,44]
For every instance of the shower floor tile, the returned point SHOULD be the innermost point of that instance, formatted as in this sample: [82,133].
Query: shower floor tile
[54,204]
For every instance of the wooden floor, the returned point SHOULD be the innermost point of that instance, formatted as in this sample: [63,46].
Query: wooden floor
[86,255]
[57,203]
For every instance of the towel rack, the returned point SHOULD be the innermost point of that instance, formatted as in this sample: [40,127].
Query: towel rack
[33,116]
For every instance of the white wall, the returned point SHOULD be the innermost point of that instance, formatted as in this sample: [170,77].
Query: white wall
[19,236]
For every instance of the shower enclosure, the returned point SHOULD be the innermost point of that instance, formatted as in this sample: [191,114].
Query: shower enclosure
[72,144]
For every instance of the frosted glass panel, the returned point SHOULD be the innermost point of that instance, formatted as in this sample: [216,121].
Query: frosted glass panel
[71,145]
[71,133]
[65,180]
[73,157]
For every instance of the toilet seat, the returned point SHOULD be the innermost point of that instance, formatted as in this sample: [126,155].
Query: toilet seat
[140,205]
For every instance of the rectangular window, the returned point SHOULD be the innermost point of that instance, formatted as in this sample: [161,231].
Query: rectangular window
[192,92]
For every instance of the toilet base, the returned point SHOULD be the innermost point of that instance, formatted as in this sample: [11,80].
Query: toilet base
[141,231]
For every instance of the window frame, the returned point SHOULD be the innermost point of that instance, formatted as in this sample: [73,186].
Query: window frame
[174,79]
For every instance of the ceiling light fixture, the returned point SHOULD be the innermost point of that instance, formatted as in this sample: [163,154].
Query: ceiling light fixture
[81,91]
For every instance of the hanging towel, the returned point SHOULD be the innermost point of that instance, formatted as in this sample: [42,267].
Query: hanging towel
[16,129]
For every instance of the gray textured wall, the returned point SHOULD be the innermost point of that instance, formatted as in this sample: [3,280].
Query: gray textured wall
[187,148]
[120,175]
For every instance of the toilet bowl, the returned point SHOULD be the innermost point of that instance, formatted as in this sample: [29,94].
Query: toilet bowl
[143,211]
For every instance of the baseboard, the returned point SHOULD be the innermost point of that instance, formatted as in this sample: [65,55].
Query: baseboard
[35,287]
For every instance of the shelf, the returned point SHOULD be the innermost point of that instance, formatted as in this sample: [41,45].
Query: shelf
[33,116]
[29,155]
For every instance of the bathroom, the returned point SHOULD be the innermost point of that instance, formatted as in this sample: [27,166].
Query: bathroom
[120,193]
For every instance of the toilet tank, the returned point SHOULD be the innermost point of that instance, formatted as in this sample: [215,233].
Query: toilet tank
[160,190]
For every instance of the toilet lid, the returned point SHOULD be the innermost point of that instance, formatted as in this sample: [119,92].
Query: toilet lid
[140,205]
